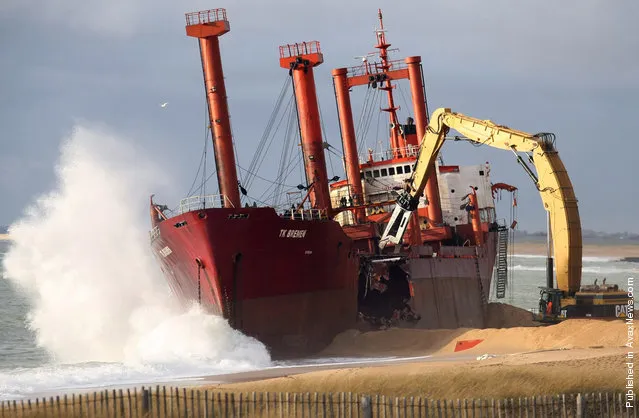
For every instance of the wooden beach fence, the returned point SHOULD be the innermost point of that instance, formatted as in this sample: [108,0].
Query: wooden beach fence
[163,401]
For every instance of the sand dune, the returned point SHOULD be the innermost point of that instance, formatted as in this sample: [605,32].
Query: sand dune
[575,333]
[575,355]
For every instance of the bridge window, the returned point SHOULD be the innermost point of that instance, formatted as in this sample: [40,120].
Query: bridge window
[369,174]
[375,173]
[384,172]
[391,171]
[399,170]
[407,169]
[481,172]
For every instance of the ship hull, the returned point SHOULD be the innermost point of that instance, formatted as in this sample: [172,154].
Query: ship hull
[452,289]
[292,284]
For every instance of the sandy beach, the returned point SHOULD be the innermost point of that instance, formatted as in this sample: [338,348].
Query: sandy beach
[576,355]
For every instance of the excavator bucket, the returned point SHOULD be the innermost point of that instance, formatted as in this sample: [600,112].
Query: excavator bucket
[396,227]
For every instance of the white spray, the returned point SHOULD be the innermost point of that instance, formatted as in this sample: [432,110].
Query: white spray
[81,254]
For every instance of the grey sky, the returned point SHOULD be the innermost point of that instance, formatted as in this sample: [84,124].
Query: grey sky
[566,67]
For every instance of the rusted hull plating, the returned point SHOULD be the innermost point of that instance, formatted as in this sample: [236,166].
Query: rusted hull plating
[451,290]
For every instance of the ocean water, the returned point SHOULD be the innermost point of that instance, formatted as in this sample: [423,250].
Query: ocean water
[83,304]
[82,301]
[527,273]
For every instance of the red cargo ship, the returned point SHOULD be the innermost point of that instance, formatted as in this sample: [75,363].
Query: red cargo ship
[295,277]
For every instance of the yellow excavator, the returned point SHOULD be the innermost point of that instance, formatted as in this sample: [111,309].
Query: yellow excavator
[568,299]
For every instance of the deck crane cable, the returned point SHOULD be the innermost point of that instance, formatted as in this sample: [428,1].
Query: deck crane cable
[267,131]
[401,92]
[289,145]
[361,115]
[293,143]
[277,181]
[366,117]
[369,118]
[264,153]
[203,186]
[202,156]
[287,151]
[325,143]
[377,103]
[265,179]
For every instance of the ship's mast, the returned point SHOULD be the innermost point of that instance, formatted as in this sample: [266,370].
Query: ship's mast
[208,26]
[397,141]
[300,59]
[382,74]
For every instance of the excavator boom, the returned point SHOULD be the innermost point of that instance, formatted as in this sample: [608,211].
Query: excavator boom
[551,180]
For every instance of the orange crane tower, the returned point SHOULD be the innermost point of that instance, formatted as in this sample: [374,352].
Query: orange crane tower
[208,26]
[299,59]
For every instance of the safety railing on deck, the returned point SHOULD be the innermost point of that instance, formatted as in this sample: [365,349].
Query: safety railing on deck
[205,16]
[301,48]
[305,214]
[345,200]
[407,151]
[375,67]
[203,202]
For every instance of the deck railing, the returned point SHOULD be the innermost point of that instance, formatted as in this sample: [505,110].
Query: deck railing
[203,202]
[305,214]
[407,151]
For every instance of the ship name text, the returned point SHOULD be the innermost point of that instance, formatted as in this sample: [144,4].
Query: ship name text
[292,233]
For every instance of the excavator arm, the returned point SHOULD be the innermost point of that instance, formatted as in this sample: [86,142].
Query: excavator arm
[551,180]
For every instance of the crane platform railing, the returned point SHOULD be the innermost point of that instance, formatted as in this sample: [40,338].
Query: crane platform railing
[372,68]
[206,16]
[300,48]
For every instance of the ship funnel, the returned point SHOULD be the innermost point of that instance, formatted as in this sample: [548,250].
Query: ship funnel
[208,26]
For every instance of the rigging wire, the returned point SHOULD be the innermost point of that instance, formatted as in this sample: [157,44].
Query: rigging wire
[325,144]
[401,92]
[264,152]
[289,145]
[376,104]
[255,162]
[358,125]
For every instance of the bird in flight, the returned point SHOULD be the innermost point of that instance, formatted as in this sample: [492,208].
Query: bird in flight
[165,104]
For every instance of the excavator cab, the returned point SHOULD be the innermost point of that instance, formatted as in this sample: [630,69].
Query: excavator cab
[550,310]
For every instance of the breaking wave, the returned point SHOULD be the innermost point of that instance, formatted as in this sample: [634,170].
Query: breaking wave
[80,255]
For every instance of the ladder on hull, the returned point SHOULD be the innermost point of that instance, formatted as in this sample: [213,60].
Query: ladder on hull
[502,263]
[482,293]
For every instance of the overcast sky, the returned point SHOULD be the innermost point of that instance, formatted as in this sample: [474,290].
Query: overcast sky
[568,67]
